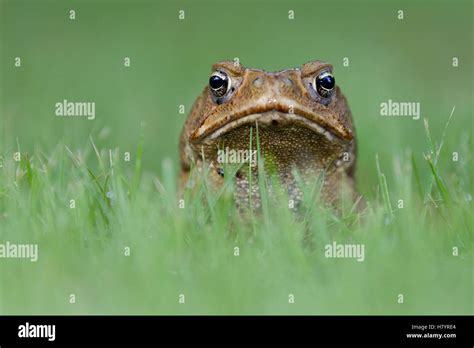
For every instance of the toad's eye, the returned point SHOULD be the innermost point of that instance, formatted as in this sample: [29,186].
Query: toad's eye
[324,84]
[219,83]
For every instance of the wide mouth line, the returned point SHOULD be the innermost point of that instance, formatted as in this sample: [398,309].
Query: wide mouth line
[269,117]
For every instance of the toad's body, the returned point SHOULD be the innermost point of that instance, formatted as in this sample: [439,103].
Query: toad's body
[304,126]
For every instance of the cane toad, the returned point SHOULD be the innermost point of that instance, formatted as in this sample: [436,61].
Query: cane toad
[303,123]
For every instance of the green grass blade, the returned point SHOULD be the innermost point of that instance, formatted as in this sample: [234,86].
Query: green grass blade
[384,190]
[138,163]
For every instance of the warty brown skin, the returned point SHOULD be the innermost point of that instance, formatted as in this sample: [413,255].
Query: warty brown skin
[298,130]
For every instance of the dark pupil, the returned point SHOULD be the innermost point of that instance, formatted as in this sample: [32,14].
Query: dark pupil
[217,82]
[327,82]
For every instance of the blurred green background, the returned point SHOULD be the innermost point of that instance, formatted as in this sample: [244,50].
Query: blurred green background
[83,60]
[176,250]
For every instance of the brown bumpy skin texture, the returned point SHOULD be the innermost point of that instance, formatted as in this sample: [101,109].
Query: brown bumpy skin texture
[300,134]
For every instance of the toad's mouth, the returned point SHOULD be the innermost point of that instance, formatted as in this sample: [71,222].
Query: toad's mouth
[275,119]
[285,142]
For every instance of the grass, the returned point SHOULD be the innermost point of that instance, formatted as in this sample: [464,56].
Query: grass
[420,200]
[222,262]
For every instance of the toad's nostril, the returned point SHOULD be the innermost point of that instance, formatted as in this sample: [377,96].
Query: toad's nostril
[287,81]
[274,123]
[258,82]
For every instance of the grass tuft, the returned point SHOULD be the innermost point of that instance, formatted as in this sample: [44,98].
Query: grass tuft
[225,262]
